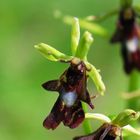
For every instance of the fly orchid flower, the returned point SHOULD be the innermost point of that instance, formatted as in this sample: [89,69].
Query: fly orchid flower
[72,84]
[72,88]
[128,34]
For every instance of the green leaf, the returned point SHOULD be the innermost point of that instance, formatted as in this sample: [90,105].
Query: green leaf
[96,77]
[75,35]
[51,53]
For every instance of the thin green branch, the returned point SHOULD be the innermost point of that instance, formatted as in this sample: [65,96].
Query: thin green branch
[132,95]
[134,84]
[92,27]
[102,17]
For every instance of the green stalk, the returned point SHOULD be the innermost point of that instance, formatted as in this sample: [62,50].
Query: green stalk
[126,3]
[86,124]
[103,16]
[134,81]
[134,84]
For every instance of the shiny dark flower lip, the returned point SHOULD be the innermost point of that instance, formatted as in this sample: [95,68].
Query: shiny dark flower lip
[105,132]
[128,34]
[72,88]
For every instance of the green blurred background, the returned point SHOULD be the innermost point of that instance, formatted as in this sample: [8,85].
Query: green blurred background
[23,103]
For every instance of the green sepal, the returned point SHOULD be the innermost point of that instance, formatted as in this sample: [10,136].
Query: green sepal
[96,77]
[52,54]
[84,46]
[75,35]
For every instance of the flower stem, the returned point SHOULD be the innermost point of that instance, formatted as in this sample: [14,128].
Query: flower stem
[126,3]
[103,16]
[86,124]
[134,84]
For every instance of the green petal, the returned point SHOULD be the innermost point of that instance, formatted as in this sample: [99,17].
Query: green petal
[96,77]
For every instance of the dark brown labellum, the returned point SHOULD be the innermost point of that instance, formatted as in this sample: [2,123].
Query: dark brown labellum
[128,34]
[72,88]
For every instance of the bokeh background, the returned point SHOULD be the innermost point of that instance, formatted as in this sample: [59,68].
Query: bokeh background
[23,102]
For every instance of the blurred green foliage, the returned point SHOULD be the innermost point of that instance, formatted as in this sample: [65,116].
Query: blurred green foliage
[23,103]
